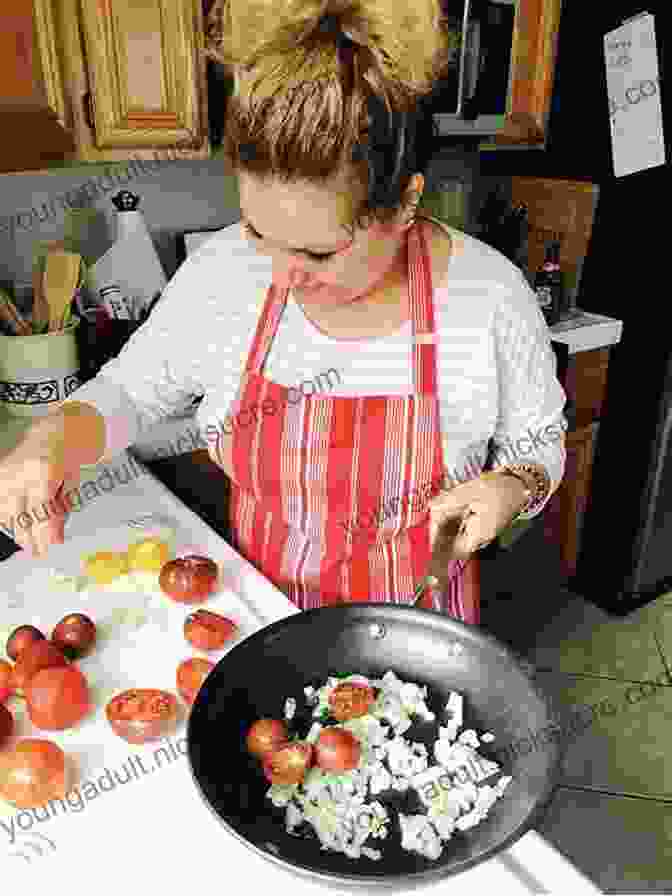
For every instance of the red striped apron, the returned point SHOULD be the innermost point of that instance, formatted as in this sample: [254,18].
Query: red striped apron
[330,494]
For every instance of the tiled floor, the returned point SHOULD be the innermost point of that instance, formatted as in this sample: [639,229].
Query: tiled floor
[612,813]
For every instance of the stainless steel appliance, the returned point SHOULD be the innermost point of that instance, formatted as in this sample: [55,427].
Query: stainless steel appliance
[471,99]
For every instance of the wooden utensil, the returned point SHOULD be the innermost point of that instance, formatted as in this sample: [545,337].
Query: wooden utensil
[12,317]
[61,276]
[443,551]
[40,304]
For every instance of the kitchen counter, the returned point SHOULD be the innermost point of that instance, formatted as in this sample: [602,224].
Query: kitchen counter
[160,827]
[587,331]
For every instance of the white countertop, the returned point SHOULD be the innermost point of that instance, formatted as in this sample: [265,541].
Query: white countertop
[155,829]
[587,331]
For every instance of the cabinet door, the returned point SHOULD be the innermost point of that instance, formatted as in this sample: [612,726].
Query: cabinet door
[533,59]
[137,76]
[564,514]
[32,103]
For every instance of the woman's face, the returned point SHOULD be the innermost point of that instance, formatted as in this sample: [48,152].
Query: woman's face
[301,228]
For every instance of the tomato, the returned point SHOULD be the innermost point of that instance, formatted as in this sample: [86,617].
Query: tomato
[148,555]
[350,701]
[288,764]
[208,631]
[266,736]
[106,566]
[189,579]
[57,698]
[74,635]
[33,772]
[6,724]
[40,655]
[190,676]
[337,750]
[22,637]
[6,680]
[142,714]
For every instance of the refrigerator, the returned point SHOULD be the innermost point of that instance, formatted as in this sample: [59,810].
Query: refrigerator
[625,558]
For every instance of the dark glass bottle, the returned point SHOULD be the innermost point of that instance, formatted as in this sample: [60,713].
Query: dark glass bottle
[548,283]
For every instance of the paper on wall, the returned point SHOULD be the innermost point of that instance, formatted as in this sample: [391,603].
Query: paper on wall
[633,85]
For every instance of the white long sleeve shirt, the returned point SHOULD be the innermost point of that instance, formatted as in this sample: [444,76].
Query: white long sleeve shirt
[497,372]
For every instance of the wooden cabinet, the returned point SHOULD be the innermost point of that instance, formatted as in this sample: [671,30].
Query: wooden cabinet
[533,60]
[585,382]
[32,104]
[136,77]
[120,78]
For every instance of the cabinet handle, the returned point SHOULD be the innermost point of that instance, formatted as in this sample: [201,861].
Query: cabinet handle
[87,106]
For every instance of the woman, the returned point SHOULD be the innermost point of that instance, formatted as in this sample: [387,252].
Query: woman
[438,345]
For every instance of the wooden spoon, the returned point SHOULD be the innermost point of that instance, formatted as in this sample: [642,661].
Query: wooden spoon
[61,276]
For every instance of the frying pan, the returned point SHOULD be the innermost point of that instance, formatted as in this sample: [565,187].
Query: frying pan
[422,646]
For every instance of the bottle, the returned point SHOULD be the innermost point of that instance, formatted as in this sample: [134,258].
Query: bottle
[548,283]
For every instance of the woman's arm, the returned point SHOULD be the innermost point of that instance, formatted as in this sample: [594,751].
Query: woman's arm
[531,424]
[190,340]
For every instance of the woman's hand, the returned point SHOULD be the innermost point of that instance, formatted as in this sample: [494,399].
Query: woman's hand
[32,476]
[486,505]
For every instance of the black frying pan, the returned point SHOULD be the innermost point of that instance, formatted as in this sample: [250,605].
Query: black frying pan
[421,646]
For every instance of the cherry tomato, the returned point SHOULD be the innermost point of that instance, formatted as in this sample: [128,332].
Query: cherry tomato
[40,655]
[6,724]
[106,566]
[33,772]
[289,764]
[142,714]
[6,680]
[189,579]
[190,676]
[350,701]
[337,750]
[22,637]
[208,631]
[266,736]
[148,555]
[57,698]
[74,635]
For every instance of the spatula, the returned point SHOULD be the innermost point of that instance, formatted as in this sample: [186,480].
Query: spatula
[40,318]
[61,276]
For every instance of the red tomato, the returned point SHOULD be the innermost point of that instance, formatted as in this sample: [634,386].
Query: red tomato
[6,680]
[6,724]
[350,701]
[22,637]
[289,764]
[142,714]
[337,750]
[208,631]
[189,579]
[33,772]
[266,736]
[74,635]
[57,698]
[34,658]
[190,676]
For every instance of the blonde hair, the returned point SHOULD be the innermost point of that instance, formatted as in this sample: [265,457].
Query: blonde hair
[307,110]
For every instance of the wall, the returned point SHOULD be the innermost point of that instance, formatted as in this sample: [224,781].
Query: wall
[176,196]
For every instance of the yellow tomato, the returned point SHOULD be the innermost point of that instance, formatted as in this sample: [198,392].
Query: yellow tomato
[148,555]
[106,566]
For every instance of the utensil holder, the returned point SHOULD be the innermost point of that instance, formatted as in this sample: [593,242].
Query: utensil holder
[38,372]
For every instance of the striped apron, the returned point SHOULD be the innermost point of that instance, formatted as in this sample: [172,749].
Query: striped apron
[329,495]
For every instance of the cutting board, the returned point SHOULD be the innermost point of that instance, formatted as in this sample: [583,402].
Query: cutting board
[140,637]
